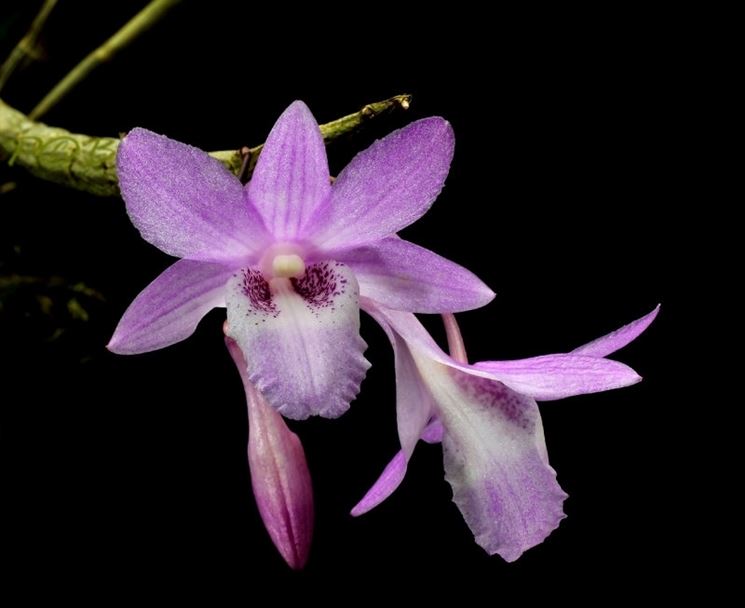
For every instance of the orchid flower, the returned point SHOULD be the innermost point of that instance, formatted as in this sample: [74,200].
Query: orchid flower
[279,473]
[487,419]
[289,254]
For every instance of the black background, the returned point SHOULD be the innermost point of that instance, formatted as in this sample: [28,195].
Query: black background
[565,196]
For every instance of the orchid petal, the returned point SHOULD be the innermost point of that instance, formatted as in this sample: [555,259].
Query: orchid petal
[414,409]
[291,177]
[414,406]
[558,376]
[169,309]
[545,378]
[404,276]
[386,187]
[433,432]
[408,327]
[301,338]
[394,473]
[495,461]
[387,483]
[185,202]
[279,474]
[616,340]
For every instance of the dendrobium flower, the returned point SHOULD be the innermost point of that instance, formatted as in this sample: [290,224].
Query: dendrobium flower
[487,419]
[279,473]
[289,254]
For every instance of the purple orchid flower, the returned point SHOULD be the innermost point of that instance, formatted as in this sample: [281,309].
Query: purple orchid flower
[289,254]
[487,419]
[279,473]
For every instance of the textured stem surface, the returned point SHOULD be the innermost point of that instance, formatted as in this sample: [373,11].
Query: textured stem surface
[89,163]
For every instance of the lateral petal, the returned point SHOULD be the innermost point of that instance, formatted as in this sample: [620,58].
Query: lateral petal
[386,484]
[558,376]
[169,309]
[545,378]
[414,409]
[616,340]
[394,472]
[404,276]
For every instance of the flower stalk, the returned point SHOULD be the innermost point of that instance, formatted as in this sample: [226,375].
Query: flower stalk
[140,23]
[26,47]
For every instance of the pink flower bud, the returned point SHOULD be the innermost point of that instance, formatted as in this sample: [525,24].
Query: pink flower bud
[279,474]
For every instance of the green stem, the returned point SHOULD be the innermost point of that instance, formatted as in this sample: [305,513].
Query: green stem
[141,22]
[89,163]
[330,130]
[26,45]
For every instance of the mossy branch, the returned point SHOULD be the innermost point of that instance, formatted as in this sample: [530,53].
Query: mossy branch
[89,163]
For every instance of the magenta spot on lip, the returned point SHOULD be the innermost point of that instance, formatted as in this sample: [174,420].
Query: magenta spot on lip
[319,285]
[493,394]
[256,289]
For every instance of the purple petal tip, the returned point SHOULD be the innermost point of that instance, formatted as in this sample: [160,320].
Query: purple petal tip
[298,104]
[115,346]
[389,480]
